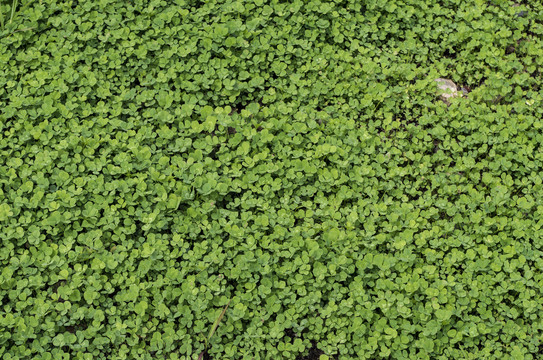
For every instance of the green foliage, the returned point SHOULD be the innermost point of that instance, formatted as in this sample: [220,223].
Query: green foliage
[8,17]
[162,159]
[213,329]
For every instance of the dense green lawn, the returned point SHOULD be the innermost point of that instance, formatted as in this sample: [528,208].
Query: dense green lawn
[160,160]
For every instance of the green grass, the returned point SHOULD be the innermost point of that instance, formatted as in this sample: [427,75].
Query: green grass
[8,19]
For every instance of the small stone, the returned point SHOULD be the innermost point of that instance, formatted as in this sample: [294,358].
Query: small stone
[447,89]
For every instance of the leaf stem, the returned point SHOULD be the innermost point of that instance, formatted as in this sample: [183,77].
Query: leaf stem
[13,6]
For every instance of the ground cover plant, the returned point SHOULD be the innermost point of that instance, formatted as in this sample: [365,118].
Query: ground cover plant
[271,179]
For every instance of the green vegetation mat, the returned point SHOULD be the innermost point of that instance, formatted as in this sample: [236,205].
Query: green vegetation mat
[271,179]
